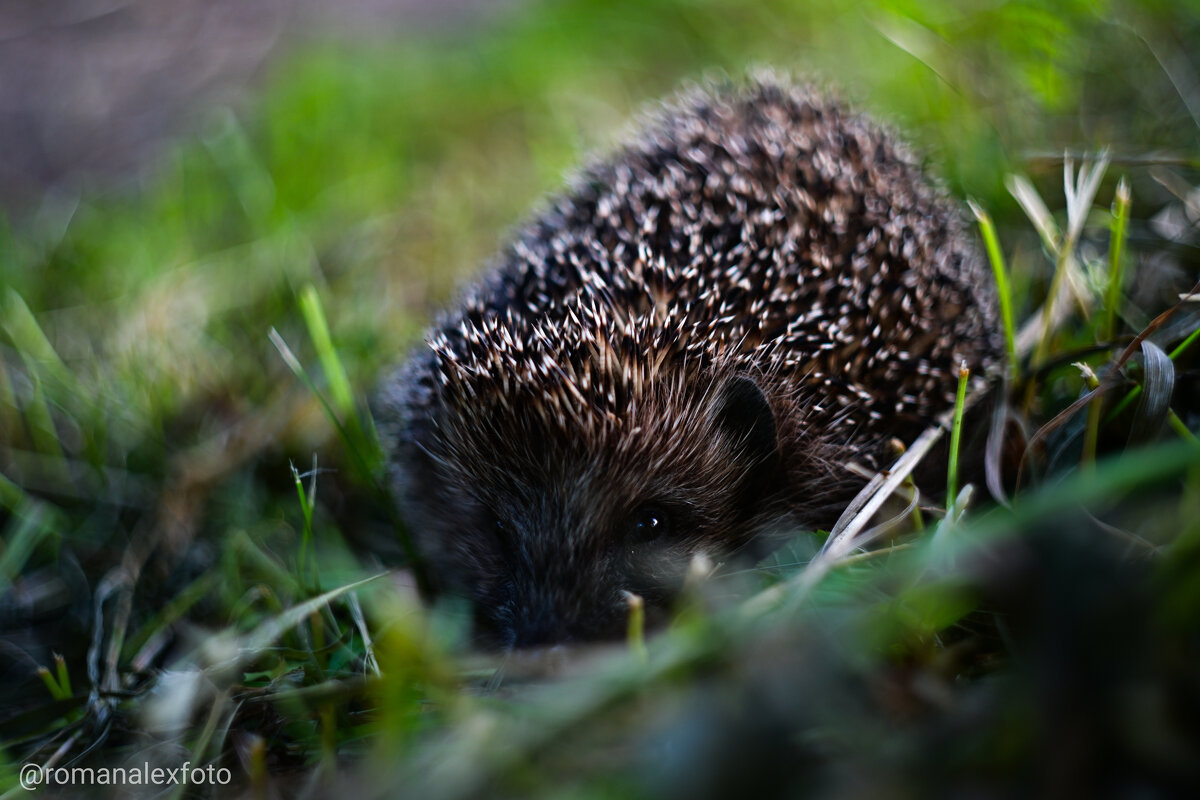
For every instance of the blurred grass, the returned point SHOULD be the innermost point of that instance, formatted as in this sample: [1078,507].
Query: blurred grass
[147,424]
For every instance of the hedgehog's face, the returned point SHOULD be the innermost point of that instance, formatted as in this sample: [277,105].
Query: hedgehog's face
[550,526]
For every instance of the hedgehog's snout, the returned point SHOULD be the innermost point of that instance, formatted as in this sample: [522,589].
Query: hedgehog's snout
[549,619]
[539,625]
[552,601]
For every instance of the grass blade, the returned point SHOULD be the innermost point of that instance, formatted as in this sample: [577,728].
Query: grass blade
[331,363]
[1116,259]
[1003,287]
[1158,382]
[960,402]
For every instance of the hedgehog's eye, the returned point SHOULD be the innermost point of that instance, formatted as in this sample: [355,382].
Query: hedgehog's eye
[649,522]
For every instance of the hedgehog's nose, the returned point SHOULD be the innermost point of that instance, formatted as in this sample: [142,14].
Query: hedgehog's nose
[540,626]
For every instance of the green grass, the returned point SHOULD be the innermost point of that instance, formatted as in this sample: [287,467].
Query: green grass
[170,347]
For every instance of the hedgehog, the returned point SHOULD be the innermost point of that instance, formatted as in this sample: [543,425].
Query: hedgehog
[679,357]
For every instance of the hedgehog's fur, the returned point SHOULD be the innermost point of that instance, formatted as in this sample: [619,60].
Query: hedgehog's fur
[701,332]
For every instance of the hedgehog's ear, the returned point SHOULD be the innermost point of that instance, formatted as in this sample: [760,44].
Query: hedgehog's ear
[745,415]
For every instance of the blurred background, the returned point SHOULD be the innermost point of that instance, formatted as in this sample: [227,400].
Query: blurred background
[173,172]
[385,147]
[93,86]
[177,176]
